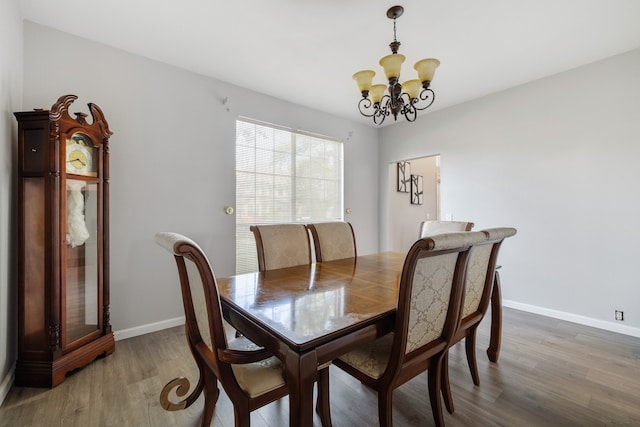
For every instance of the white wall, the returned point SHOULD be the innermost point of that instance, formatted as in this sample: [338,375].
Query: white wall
[557,159]
[10,101]
[173,160]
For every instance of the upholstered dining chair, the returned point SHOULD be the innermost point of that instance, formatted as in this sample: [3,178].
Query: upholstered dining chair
[481,271]
[281,245]
[333,240]
[429,228]
[428,312]
[251,376]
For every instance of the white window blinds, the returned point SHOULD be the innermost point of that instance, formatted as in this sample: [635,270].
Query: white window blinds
[283,176]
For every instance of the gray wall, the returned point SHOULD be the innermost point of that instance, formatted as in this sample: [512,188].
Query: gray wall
[172,161]
[10,101]
[557,159]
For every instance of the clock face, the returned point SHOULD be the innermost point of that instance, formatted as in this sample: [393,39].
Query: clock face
[80,155]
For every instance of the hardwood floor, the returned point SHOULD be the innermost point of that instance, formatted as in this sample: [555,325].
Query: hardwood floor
[550,373]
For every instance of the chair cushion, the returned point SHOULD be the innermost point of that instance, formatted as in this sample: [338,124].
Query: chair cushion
[259,377]
[371,358]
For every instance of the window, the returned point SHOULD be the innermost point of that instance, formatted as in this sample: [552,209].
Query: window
[283,176]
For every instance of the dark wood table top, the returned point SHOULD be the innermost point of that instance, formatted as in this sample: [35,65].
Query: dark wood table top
[310,305]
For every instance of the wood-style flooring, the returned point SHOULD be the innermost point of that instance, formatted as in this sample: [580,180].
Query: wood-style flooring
[550,373]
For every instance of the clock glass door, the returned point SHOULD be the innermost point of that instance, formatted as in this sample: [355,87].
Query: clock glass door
[82,278]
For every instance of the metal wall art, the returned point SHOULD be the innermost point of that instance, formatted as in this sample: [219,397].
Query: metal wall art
[404,177]
[416,190]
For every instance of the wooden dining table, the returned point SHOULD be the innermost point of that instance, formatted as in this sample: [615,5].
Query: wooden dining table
[309,315]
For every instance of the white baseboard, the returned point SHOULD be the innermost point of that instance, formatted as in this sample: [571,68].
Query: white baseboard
[6,383]
[148,328]
[582,320]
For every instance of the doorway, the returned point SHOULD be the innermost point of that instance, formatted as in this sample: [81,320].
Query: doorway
[405,211]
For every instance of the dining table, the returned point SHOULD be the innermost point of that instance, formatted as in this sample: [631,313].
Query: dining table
[311,314]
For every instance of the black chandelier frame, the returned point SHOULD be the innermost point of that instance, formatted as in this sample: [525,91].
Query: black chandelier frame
[396,102]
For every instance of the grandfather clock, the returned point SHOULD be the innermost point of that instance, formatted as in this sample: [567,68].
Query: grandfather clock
[63,243]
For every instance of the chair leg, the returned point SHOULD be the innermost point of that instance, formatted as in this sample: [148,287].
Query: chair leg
[470,348]
[445,385]
[211,393]
[242,415]
[323,406]
[435,373]
[385,407]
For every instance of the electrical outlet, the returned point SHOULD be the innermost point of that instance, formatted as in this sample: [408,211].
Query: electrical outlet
[619,315]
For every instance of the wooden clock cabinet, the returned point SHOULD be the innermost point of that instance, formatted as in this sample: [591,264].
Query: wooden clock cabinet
[63,242]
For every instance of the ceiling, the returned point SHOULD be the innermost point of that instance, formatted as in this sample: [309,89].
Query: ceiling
[305,51]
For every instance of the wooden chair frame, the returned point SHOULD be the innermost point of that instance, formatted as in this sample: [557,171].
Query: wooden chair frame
[215,365]
[403,367]
[469,324]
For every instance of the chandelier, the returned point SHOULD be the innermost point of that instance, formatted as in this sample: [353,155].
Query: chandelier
[407,98]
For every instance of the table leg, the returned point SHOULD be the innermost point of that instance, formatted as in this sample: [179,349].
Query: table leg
[301,372]
[496,320]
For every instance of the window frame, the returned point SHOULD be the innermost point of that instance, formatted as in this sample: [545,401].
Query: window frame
[301,183]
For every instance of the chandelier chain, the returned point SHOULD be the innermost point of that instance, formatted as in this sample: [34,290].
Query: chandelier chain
[394,30]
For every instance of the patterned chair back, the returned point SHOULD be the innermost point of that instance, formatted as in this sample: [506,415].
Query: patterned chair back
[333,240]
[281,245]
[431,291]
[481,270]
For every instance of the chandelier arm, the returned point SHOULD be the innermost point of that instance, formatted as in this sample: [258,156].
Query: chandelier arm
[408,107]
[364,106]
[384,103]
[406,98]
[379,118]
[382,110]
[409,112]
[425,95]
